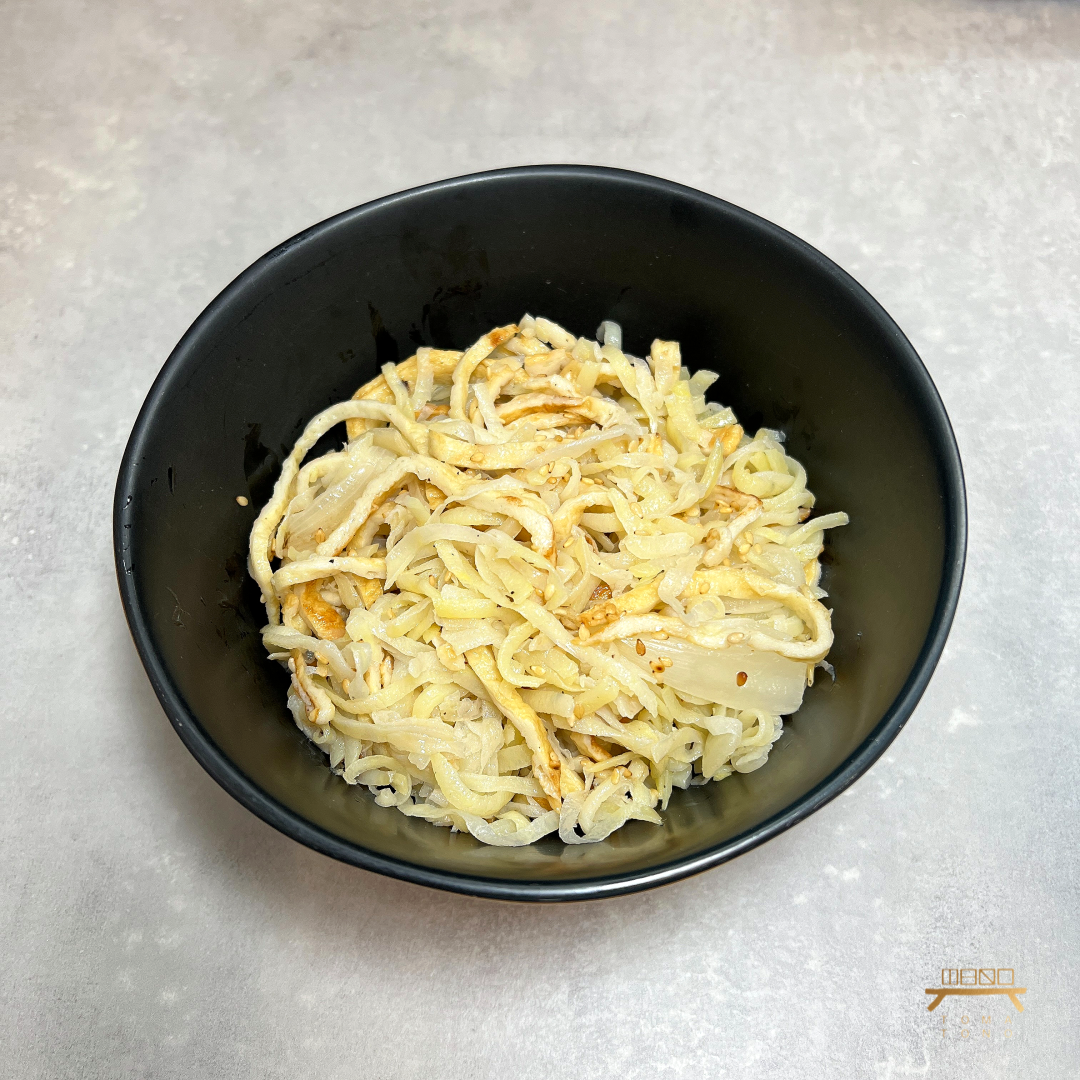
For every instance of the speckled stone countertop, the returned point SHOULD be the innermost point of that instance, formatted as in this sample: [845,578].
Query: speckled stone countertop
[151,927]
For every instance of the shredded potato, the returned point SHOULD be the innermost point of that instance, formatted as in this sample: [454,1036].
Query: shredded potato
[543,584]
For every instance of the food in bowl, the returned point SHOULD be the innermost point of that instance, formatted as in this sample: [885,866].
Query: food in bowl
[542,584]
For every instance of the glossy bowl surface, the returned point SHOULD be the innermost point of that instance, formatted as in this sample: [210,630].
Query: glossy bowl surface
[799,346]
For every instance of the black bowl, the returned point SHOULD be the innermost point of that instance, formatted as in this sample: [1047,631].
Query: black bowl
[799,346]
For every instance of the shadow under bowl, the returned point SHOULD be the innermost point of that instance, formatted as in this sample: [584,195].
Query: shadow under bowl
[799,346]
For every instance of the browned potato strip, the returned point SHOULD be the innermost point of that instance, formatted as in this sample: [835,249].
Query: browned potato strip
[589,746]
[379,490]
[443,362]
[509,702]
[735,498]
[482,456]
[546,421]
[498,380]
[321,616]
[547,363]
[520,382]
[525,508]
[376,390]
[665,359]
[638,601]
[470,362]
[571,511]
[729,436]
[742,584]
[724,581]
[598,410]
[519,406]
[432,494]
[317,703]
[370,589]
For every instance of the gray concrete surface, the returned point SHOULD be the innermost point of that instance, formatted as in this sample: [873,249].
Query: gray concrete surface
[150,926]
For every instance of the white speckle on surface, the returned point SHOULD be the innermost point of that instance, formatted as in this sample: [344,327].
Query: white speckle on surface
[959,718]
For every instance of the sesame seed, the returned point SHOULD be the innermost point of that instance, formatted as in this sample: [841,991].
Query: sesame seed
[241,500]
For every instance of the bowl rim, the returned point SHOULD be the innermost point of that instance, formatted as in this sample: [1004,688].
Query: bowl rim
[299,828]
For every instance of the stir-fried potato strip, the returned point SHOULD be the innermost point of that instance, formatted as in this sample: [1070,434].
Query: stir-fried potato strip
[543,584]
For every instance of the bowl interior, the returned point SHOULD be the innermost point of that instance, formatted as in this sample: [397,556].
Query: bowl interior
[799,347]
